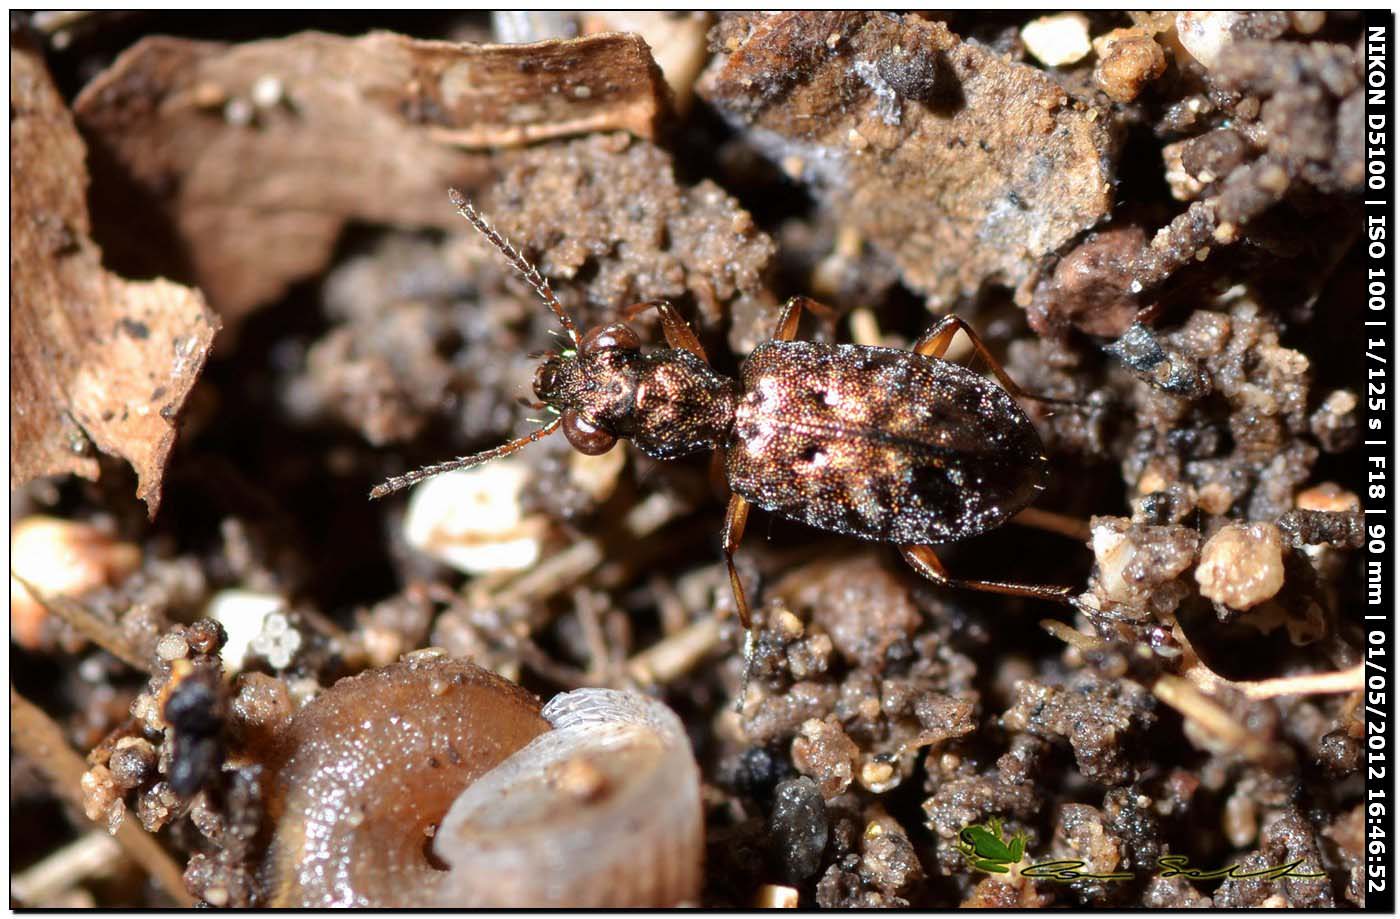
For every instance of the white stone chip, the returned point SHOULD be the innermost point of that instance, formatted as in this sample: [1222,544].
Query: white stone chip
[472,520]
[1059,40]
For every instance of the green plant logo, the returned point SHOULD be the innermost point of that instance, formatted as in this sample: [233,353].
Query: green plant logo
[986,850]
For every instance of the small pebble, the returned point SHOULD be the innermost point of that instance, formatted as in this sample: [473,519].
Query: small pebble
[1129,59]
[1327,496]
[172,646]
[132,763]
[267,92]
[1059,40]
[472,520]
[1241,819]
[1306,22]
[1205,34]
[878,776]
[101,796]
[798,828]
[1242,565]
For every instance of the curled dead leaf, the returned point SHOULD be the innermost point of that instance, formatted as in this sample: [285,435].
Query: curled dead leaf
[94,359]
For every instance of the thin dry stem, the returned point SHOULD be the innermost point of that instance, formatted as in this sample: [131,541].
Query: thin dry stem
[92,627]
[1350,680]
[675,655]
[1072,636]
[1051,522]
[1181,695]
[92,856]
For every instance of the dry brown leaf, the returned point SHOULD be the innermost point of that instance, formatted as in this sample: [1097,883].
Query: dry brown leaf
[259,154]
[963,166]
[92,356]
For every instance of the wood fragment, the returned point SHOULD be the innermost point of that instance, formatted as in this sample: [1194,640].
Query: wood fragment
[512,95]
[373,130]
[675,655]
[39,739]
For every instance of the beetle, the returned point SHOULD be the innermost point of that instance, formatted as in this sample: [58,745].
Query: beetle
[887,445]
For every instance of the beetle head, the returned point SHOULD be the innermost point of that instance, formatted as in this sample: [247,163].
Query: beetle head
[594,388]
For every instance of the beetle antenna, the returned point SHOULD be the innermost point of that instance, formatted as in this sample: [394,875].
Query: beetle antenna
[529,272]
[389,486]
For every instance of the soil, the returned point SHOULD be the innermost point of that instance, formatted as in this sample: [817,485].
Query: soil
[241,298]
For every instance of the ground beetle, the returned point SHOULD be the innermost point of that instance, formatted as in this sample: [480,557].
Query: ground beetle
[888,445]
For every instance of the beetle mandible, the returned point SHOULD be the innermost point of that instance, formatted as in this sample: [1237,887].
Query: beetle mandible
[893,446]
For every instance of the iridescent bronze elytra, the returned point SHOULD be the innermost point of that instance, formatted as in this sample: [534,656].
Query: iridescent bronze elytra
[893,446]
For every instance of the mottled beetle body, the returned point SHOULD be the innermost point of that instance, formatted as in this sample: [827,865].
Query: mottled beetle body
[882,444]
[896,446]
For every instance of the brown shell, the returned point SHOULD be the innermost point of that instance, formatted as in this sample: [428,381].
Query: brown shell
[882,444]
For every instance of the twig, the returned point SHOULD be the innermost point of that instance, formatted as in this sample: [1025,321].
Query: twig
[93,855]
[92,627]
[41,741]
[1072,636]
[1051,522]
[1181,695]
[586,609]
[1349,680]
[567,567]
[553,574]
[674,655]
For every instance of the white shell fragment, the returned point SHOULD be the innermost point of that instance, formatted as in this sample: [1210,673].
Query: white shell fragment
[1059,40]
[602,811]
[471,519]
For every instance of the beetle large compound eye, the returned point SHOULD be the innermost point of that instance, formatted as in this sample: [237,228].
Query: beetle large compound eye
[616,335]
[546,380]
[586,437]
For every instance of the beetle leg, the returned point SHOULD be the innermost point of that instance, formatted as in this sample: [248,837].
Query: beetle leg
[923,560]
[734,519]
[792,315]
[935,342]
[678,332]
